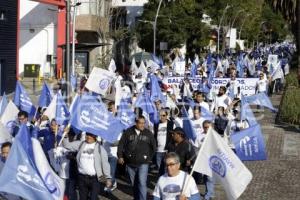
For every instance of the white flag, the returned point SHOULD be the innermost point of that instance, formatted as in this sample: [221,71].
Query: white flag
[217,160]
[142,69]
[4,134]
[133,67]
[112,66]
[53,182]
[99,80]
[50,112]
[9,116]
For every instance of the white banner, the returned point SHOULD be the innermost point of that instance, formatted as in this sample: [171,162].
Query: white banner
[99,80]
[247,85]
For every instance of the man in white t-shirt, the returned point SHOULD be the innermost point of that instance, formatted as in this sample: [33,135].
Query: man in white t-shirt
[221,100]
[175,184]
[162,135]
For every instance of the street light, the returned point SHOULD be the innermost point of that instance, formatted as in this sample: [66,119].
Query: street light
[232,24]
[226,8]
[154,28]
[73,35]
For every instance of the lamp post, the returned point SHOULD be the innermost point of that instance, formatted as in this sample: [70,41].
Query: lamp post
[226,8]
[232,24]
[154,28]
[73,35]
[67,60]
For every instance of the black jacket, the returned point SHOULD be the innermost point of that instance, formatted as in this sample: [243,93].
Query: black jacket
[170,126]
[185,152]
[136,149]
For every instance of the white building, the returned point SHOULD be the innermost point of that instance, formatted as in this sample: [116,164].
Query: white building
[37,35]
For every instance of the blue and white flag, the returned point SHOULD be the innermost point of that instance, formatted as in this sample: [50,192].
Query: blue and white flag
[260,99]
[27,173]
[206,114]
[143,101]
[99,80]
[187,125]
[46,96]
[58,110]
[193,70]
[155,90]
[74,104]
[216,159]
[247,114]
[23,101]
[92,116]
[125,114]
[156,60]
[9,117]
[249,143]
[3,104]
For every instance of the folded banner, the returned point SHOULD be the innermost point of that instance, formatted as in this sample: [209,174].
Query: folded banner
[99,80]
[249,143]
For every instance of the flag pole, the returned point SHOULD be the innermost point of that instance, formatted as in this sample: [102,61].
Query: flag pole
[193,169]
[64,134]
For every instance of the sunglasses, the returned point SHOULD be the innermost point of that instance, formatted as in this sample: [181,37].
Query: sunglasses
[171,164]
[163,115]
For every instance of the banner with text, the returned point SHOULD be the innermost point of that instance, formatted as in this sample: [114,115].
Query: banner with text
[247,85]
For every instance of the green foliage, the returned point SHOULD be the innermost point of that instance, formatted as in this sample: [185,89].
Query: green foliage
[179,22]
[290,106]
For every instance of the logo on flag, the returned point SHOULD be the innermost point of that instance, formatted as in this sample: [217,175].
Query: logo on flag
[103,84]
[217,165]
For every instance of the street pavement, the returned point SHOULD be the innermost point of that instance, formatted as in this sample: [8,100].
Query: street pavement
[277,178]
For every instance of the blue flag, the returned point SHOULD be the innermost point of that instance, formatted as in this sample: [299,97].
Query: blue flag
[26,172]
[125,114]
[62,114]
[46,96]
[3,104]
[249,143]
[144,102]
[74,104]
[260,99]
[246,113]
[187,125]
[206,114]
[156,60]
[161,62]
[156,93]
[22,100]
[193,70]
[92,116]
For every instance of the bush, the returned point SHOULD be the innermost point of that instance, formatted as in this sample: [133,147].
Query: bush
[290,106]
[291,80]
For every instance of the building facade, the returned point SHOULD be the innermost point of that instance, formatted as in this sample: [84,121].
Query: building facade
[8,47]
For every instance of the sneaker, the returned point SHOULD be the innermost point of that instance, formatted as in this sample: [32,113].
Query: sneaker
[108,190]
[113,187]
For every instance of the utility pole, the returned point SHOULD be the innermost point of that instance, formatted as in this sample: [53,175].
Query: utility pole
[154,28]
[68,9]
[219,27]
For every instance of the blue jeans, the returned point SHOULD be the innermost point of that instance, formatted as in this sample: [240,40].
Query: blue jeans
[113,165]
[138,178]
[210,188]
[160,162]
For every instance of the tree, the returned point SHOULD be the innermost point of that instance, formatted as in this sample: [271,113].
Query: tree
[179,23]
[290,9]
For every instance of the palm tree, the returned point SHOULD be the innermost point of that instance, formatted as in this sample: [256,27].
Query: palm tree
[290,10]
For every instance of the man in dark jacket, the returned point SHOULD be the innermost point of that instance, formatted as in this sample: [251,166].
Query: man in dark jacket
[136,149]
[183,148]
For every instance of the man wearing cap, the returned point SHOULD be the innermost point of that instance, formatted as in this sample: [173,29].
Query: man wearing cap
[136,149]
[92,164]
[182,147]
